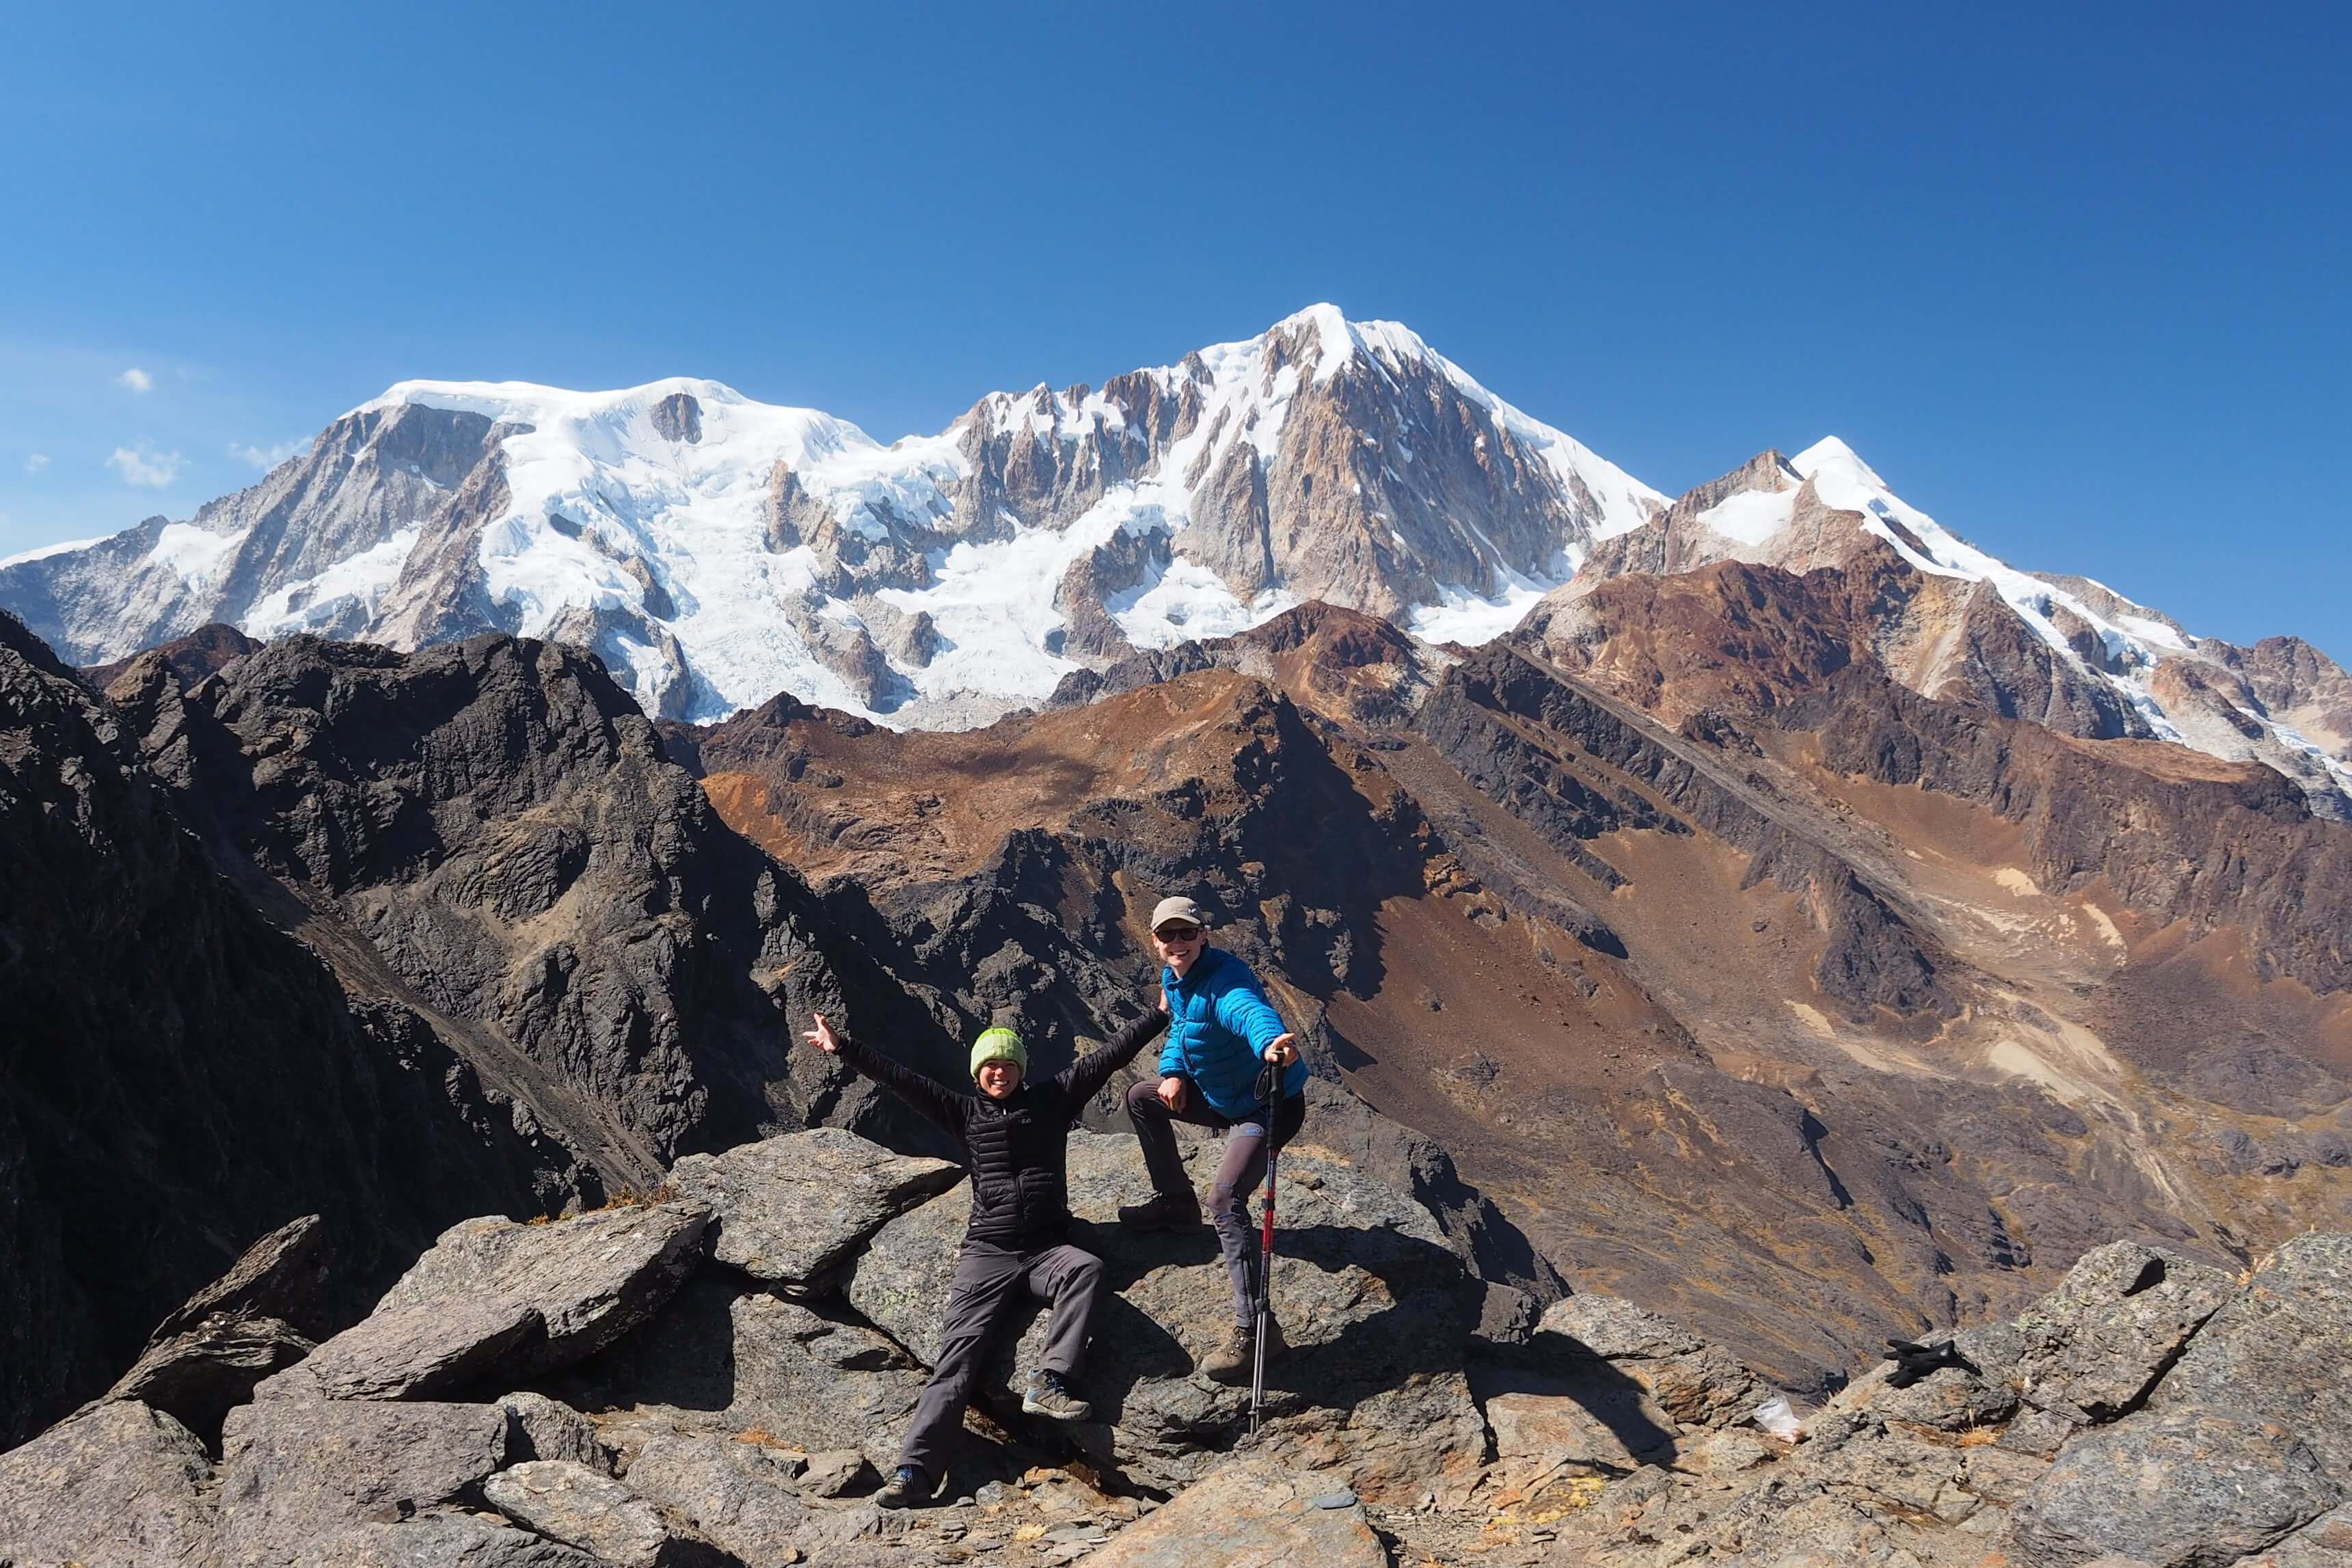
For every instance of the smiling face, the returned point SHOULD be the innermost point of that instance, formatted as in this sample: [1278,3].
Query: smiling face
[1180,945]
[998,1078]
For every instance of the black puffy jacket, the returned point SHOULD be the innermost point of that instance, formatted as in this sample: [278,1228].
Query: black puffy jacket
[1020,1148]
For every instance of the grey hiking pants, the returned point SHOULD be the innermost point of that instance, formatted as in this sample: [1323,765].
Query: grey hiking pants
[1238,1173]
[987,1278]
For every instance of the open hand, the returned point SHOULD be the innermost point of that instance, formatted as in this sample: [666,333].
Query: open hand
[1283,1052]
[822,1037]
[1171,1092]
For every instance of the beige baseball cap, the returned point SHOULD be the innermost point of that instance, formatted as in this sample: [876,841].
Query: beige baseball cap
[1177,910]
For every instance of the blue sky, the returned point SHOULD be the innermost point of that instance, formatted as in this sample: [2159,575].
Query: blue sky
[2074,279]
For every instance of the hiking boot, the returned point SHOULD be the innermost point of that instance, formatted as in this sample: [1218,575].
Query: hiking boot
[1235,1357]
[1048,1395]
[1163,1213]
[907,1487]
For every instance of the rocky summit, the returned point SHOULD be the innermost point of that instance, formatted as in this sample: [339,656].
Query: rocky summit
[1729,936]
[614,1388]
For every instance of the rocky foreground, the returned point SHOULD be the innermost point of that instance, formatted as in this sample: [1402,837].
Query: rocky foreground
[718,1374]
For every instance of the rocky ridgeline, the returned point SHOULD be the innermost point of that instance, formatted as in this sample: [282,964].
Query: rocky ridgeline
[717,1375]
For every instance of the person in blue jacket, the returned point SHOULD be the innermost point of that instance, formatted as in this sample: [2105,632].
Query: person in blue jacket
[1220,1031]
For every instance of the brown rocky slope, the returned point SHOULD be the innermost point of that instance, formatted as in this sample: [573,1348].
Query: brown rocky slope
[1737,1021]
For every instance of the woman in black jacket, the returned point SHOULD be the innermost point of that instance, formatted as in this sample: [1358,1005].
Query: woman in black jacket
[1018,1135]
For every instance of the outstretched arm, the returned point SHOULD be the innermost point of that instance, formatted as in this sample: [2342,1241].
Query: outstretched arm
[1084,1078]
[1245,1010]
[932,1099]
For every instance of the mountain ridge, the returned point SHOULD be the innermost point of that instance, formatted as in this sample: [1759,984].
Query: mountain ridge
[714,551]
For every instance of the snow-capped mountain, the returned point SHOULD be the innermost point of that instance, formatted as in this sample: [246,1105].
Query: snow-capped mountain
[715,550]
[2065,651]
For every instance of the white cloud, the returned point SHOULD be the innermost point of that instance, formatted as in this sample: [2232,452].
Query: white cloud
[265,457]
[137,380]
[145,465]
[35,462]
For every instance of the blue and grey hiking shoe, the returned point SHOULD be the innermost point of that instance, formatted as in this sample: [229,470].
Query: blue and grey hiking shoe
[1048,1395]
[907,1487]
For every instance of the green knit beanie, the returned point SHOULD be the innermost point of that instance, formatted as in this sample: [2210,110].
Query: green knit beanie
[999,1045]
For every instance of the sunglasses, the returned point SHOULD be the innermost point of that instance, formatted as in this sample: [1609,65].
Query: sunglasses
[1177,934]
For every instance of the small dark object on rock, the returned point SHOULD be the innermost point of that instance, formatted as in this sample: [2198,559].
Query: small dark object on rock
[1913,1362]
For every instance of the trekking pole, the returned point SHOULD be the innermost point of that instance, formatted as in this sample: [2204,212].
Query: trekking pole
[1264,1260]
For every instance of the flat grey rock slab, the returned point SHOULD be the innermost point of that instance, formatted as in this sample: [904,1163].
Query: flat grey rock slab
[2186,1488]
[1600,1422]
[442,1540]
[792,1207]
[591,1278]
[817,1382]
[2092,1348]
[202,1372]
[294,1470]
[281,1276]
[428,1351]
[118,1485]
[2324,1543]
[740,1494]
[1251,1511]
[2282,1349]
[728,1357]
[1685,1376]
[599,1515]
[538,1427]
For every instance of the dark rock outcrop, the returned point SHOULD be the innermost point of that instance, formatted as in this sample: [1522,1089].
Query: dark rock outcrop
[180,1076]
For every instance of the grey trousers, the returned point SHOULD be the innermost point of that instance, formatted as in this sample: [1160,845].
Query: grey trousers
[987,1278]
[1238,1174]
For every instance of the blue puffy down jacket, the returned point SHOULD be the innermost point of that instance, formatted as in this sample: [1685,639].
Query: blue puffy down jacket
[1219,1025]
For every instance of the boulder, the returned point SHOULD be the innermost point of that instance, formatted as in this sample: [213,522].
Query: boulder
[282,1276]
[1376,1308]
[1598,1423]
[1251,1510]
[2185,1489]
[816,1382]
[792,1207]
[1951,1399]
[2324,1543]
[2281,1348]
[538,1427]
[738,1493]
[199,1372]
[2091,1349]
[1687,1377]
[117,1485]
[573,1504]
[425,1352]
[441,1540]
[1508,1317]
[294,1470]
[727,1357]
[591,1278]
[838,1472]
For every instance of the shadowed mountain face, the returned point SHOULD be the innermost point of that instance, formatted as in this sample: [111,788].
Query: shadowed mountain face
[315,927]
[1819,1010]
[178,1075]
